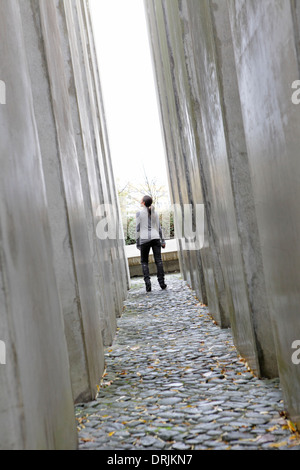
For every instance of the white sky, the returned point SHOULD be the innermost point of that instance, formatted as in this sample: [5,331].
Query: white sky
[128,85]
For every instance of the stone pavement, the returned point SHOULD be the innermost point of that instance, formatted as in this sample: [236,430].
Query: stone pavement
[174,381]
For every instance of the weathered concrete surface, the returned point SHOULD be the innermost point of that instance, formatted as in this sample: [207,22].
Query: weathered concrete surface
[224,79]
[217,176]
[102,161]
[167,99]
[222,208]
[242,190]
[36,398]
[186,137]
[87,278]
[119,255]
[67,211]
[61,287]
[177,161]
[87,165]
[267,64]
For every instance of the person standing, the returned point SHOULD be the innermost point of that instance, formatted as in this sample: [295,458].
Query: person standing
[149,235]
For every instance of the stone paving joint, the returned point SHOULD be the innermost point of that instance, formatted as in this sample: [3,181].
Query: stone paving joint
[174,381]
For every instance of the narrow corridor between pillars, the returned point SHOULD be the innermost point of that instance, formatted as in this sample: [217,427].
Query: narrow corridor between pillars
[175,381]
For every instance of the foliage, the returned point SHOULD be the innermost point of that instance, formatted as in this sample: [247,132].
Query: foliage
[131,194]
[130,237]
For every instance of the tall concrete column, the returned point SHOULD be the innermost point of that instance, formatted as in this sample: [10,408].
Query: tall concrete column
[121,258]
[164,116]
[186,135]
[266,46]
[68,169]
[226,74]
[55,41]
[217,173]
[196,55]
[171,120]
[115,274]
[88,170]
[36,404]
[162,66]
[168,55]
[242,189]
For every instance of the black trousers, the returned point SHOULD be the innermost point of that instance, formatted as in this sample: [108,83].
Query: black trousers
[145,251]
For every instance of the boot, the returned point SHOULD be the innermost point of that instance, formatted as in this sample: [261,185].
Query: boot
[161,275]
[147,279]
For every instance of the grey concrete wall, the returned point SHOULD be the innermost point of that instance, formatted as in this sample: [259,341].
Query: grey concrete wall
[87,164]
[224,89]
[186,135]
[222,214]
[119,255]
[177,161]
[36,405]
[62,288]
[217,173]
[266,68]
[244,203]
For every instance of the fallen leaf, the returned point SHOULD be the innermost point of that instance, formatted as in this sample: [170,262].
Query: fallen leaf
[278,445]
[294,437]
[272,429]
[292,426]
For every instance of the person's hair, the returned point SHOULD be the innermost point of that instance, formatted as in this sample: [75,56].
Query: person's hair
[148,203]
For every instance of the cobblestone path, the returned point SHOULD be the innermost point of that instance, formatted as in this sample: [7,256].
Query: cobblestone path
[174,381]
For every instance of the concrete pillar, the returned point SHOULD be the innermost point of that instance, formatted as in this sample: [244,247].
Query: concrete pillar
[162,66]
[120,254]
[242,190]
[36,405]
[115,275]
[186,134]
[55,112]
[170,121]
[164,111]
[217,173]
[88,170]
[198,60]
[266,46]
